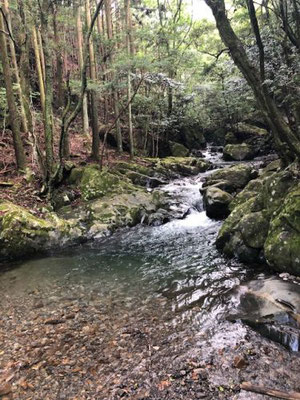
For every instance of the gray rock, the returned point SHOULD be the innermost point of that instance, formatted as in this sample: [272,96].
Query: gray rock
[216,202]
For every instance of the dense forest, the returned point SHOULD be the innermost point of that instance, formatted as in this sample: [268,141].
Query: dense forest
[149,199]
[135,75]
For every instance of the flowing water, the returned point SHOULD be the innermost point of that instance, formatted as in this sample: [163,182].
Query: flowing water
[166,288]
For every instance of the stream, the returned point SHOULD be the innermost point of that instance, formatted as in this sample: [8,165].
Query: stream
[142,314]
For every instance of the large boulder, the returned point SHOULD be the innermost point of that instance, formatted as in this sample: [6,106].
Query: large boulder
[23,233]
[216,202]
[264,223]
[238,152]
[235,177]
[282,247]
[95,183]
[182,165]
[178,150]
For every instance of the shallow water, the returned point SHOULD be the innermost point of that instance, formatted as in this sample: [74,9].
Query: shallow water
[177,260]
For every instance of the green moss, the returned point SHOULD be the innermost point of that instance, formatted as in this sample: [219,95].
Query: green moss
[75,176]
[282,247]
[95,183]
[178,150]
[141,169]
[23,233]
[237,175]
[251,190]
[238,152]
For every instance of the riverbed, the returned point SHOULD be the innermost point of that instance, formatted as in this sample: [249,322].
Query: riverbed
[141,314]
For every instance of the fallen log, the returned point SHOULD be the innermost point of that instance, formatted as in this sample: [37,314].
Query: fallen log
[270,392]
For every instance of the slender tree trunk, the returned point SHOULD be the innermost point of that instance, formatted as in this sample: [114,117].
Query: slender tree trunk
[85,115]
[59,63]
[13,113]
[94,103]
[24,123]
[38,67]
[103,64]
[128,45]
[115,96]
[48,115]
[42,54]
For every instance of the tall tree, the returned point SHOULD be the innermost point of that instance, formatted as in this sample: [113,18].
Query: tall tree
[93,93]
[85,116]
[12,108]
[286,138]
[128,49]
[48,112]
[115,95]
[24,122]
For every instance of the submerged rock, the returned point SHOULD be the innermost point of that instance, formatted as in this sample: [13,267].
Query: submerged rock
[272,307]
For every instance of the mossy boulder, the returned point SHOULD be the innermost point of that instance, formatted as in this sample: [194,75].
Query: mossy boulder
[236,177]
[143,180]
[282,247]
[253,189]
[275,187]
[173,167]
[238,152]
[139,168]
[127,209]
[264,224]
[216,202]
[23,233]
[178,150]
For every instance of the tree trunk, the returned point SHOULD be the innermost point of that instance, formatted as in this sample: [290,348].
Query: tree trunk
[59,63]
[113,77]
[128,45]
[93,75]
[48,117]
[38,67]
[13,113]
[287,142]
[24,123]
[42,54]
[85,116]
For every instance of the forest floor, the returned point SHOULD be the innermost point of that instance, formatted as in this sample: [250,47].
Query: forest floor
[24,189]
[70,343]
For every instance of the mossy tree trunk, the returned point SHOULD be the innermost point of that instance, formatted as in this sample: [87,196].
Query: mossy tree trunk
[24,122]
[12,108]
[48,112]
[93,93]
[115,95]
[85,115]
[129,47]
